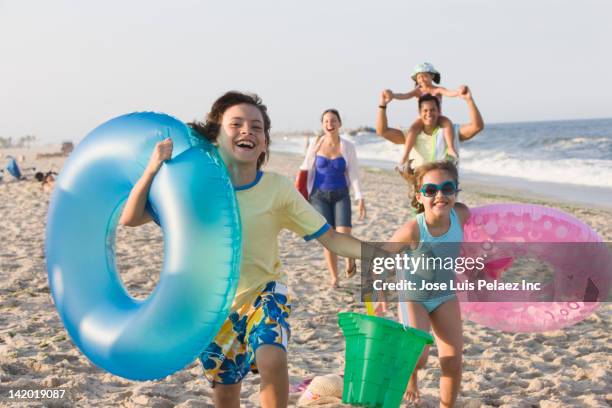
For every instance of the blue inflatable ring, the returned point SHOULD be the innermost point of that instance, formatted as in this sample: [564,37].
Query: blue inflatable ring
[198,213]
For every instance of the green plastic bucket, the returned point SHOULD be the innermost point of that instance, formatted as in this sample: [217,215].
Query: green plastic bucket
[380,358]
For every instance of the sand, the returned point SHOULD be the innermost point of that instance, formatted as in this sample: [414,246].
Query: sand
[569,367]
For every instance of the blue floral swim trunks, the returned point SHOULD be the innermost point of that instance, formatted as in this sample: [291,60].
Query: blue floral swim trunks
[228,359]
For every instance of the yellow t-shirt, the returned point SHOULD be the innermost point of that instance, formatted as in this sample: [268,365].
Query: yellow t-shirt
[268,205]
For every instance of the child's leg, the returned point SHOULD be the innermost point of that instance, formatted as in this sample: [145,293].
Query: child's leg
[227,396]
[447,128]
[447,328]
[216,364]
[415,129]
[272,367]
[417,318]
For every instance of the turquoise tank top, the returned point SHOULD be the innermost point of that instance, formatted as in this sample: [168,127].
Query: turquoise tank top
[451,238]
[440,249]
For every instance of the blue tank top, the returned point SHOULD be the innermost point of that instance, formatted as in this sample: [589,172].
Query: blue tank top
[450,241]
[330,173]
[440,249]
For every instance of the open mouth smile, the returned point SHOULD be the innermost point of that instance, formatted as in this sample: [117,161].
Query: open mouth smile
[245,144]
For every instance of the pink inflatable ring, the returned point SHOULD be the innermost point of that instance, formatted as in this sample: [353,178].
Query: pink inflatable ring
[546,234]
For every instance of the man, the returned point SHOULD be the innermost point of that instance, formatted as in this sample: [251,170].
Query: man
[427,147]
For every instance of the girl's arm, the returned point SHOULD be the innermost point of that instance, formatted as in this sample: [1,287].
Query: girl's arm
[415,93]
[406,235]
[446,92]
[134,212]
[463,212]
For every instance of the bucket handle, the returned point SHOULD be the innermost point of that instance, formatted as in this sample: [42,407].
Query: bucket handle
[403,306]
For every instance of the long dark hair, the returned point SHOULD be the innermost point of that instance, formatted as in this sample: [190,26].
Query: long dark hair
[211,128]
[333,111]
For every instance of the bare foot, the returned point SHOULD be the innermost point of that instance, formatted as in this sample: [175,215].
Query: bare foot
[412,392]
[405,170]
[334,283]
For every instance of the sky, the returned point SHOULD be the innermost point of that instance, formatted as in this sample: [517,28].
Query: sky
[68,66]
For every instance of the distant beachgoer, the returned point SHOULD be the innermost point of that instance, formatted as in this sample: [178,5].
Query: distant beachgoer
[331,162]
[429,145]
[47,180]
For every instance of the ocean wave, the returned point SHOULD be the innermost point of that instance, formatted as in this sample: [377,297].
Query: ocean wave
[524,151]
[586,172]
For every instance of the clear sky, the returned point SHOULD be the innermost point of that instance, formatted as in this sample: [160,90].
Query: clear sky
[67,66]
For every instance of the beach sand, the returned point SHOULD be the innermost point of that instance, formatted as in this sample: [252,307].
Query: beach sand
[569,367]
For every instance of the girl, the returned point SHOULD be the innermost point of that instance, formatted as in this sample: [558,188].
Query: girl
[424,75]
[332,168]
[256,332]
[439,227]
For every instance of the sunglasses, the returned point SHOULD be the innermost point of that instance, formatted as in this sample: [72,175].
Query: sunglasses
[448,188]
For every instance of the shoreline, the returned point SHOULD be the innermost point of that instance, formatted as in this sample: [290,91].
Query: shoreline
[477,184]
[515,189]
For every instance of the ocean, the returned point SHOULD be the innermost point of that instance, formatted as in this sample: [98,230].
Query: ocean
[569,160]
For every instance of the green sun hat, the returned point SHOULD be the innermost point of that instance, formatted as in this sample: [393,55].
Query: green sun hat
[426,67]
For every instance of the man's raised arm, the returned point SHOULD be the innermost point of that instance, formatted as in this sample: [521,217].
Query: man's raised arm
[466,132]
[393,135]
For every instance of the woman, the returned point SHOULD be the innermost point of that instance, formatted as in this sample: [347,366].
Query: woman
[332,168]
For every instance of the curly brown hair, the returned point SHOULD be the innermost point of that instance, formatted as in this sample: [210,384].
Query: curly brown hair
[211,128]
[415,178]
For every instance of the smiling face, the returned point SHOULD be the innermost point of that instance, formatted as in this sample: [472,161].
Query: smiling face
[331,123]
[429,113]
[242,138]
[424,79]
[438,204]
